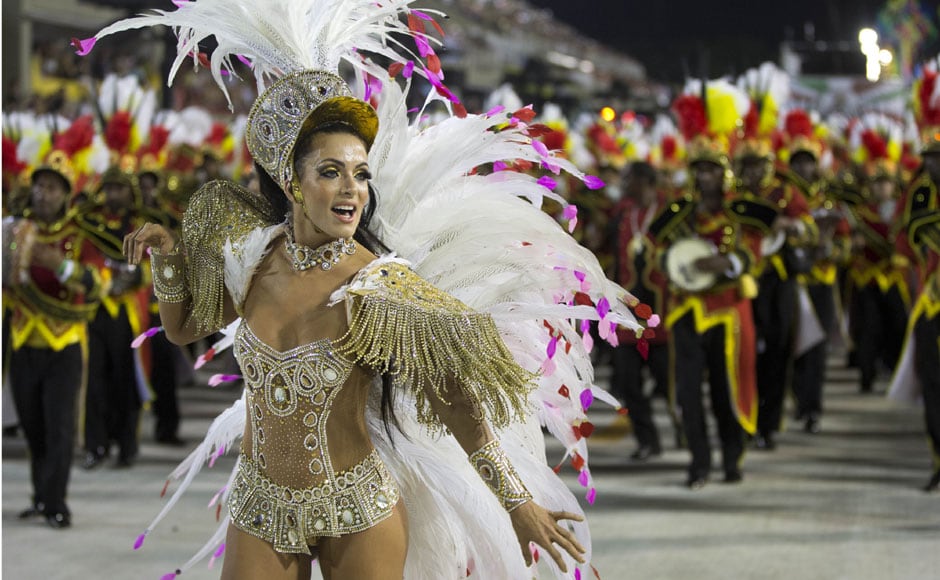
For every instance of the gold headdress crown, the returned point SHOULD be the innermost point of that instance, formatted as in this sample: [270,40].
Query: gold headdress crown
[307,98]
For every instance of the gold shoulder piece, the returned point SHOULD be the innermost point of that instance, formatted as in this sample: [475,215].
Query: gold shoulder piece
[218,212]
[402,325]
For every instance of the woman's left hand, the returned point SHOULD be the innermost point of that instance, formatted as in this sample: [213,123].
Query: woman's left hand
[533,523]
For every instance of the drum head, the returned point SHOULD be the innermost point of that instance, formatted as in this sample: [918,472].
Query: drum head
[679,264]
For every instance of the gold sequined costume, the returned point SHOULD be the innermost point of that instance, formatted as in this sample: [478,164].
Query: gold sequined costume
[291,486]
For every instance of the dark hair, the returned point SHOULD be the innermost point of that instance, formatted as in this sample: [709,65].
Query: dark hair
[364,235]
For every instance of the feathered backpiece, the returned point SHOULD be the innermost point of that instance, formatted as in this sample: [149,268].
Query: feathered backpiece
[927,105]
[768,88]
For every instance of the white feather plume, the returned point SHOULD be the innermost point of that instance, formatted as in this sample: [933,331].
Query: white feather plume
[278,37]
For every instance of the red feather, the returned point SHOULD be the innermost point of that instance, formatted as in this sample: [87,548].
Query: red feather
[751,121]
[117,134]
[690,114]
[797,123]
[554,140]
[78,136]
[669,147]
[11,163]
[875,144]
[603,139]
[218,134]
[930,114]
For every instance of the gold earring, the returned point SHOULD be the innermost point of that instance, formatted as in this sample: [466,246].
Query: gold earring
[297,193]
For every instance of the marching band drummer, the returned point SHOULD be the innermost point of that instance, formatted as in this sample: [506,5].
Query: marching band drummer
[712,328]
[52,292]
[776,307]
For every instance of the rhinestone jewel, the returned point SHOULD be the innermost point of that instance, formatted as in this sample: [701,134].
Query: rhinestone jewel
[319,524]
[381,500]
[348,517]
[324,257]
[280,394]
[330,374]
[292,536]
[168,272]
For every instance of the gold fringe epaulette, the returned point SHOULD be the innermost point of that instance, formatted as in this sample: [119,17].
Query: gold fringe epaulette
[402,325]
[218,212]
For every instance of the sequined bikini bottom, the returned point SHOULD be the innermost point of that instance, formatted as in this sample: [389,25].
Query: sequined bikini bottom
[290,519]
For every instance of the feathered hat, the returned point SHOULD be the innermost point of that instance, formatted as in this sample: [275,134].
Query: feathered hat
[709,113]
[294,48]
[800,132]
[667,146]
[126,110]
[768,89]
[927,106]
[876,145]
[35,144]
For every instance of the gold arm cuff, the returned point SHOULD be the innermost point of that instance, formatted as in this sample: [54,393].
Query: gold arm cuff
[491,463]
[169,277]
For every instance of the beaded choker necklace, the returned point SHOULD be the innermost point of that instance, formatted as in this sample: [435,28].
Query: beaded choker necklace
[304,257]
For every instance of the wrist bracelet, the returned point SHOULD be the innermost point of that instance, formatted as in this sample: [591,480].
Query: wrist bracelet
[169,277]
[491,463]
[174,252]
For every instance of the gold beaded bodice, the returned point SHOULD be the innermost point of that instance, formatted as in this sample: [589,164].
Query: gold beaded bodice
[287,490]
[289,398]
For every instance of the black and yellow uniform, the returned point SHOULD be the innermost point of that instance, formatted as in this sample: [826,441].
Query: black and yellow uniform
[49,313]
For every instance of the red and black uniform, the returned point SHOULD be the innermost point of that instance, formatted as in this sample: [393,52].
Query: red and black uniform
[920,242]
[833,248]
[116,389]
[880,293]
[49,314]
[776,307]
[713,330]
[636,269]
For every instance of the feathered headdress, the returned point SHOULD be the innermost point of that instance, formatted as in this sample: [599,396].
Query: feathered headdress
[126,110]
[708,114]
[294,48]
[800,132]
[927,106]
[768,88]
[71,150]
[876,145]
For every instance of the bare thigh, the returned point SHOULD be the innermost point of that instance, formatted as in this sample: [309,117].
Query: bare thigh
[374,554]
[249,558]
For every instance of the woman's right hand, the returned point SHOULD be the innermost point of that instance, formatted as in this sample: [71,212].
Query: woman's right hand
[147,236]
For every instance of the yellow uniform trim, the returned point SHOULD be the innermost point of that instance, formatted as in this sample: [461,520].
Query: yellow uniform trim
[727,317]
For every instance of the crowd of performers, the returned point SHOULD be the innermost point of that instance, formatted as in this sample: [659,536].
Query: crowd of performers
[765,236]
[759,235]
[72,305]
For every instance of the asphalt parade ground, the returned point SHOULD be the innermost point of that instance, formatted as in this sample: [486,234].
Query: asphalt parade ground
[842,504]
